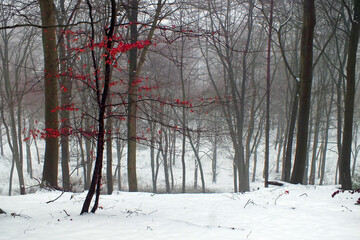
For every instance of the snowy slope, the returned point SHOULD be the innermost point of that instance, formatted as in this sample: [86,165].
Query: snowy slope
[288,212]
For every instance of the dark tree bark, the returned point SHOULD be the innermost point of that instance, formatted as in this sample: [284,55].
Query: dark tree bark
[267,122]
[287,161]
[50,172]
[183,149]
[109,152]
[345,176]
[294,104]
[306,70]
[102,100]
[119,152]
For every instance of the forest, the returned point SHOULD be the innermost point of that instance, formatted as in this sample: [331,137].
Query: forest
[179,119]
[95,93]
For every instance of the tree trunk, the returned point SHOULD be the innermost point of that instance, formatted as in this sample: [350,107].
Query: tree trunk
[82,156]
[119,151]
[66,85]
[306,67]
[50,172]
[132,98]
[1,140]
[196,153]
[152,154]
[316,139]
[214,158]
[345,176]
[28,148]
[109,159]
[267,122]
[134,71]
[280,146]
[102,100]
[326,138]
[183,116]
[12,130]
[89,155]
[290,137]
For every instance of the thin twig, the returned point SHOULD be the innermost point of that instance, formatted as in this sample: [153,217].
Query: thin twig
[56,198]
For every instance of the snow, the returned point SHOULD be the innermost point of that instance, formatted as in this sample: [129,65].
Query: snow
[286,212]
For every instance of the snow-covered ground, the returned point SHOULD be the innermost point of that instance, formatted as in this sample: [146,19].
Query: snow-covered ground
[287,212]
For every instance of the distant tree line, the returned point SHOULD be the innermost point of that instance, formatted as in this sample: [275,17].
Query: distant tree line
[97,80]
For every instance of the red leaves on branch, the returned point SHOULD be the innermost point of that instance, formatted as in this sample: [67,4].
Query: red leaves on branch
[124,47]
[66,108]
[50,133]
[350,191]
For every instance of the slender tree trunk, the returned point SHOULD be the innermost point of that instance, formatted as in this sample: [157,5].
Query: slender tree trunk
[102,100]
[89,155]
[109,151]
[280,146]
[345,176]
[19,127]
[290,137]
[214,158]
[339,124]
[324,149]
[119,151]
[183,151]
[64,130]
[235,173]
[1,140]
[152,154]
[109,159]
[306,169]
[66,86]
[171,162]
[134,71]
[267,125]
[197,147]
[164,151]
[83,162]
[250,130]
[196,153]
[356,150]
[11,175]
[28,148]
[316,139]
[12,128]
[132,98]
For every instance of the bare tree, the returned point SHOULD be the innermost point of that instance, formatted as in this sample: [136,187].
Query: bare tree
[135,67]
[345,176]
[50,172]
[306,71]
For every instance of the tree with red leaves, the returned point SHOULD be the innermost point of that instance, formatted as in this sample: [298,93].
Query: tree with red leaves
[101,101]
